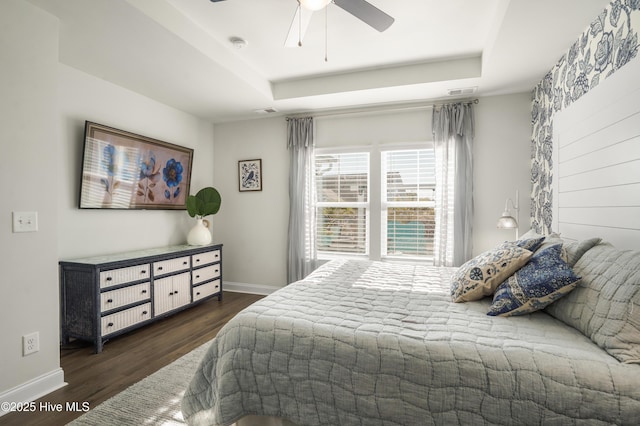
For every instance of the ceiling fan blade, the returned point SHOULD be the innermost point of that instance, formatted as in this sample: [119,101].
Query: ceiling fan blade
[367,13]
[298,27]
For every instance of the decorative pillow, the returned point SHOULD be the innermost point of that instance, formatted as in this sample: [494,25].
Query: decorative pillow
[543,280]
[605,306]
[530,244]
[574,250]
[480,276]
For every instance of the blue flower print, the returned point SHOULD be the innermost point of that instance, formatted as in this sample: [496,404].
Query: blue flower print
[603,52]
[476,274]
[148,166]
[108,159]
[109,163]
[149,171]
[172,173]
[628,49]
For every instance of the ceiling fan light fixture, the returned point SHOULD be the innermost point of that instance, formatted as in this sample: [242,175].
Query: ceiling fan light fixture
[314,5]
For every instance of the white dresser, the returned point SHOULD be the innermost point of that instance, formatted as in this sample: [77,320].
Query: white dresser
[105,296]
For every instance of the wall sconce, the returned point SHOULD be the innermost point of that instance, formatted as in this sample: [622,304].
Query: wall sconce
[507,221]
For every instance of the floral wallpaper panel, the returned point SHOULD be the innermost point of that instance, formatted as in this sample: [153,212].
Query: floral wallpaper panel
[607,45]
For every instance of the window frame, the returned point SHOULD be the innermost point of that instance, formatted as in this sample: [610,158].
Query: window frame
[326,255]
[375,203]
[385,204]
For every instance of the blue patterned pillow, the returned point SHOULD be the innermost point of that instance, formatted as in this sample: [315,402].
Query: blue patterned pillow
[543,280]
[530,244]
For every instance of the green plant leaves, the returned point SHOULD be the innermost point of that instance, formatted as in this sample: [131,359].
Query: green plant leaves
[206,201]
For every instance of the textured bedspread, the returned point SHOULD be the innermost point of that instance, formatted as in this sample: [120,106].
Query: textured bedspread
[371,343]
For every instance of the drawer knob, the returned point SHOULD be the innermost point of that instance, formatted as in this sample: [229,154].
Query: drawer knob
[144,291]
[171,294]
[109,278]
[198,294]
[159,268]
[184,263]
[144,312]
[217,255]
[109,300]
[197,276]
[110,324]
[197,260]
[143,272]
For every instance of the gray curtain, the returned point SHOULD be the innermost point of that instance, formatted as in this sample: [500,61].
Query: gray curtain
[302,256]
[453,131]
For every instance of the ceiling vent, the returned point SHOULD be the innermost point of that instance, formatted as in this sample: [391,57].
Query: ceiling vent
[269,110]
[463,91]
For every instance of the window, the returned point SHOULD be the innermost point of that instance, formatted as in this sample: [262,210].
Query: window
[408,217]
[376,203]
[342,188]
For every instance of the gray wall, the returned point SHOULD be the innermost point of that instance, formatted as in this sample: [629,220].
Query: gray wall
[93,232]
[43,107]
[29,176]
[253,226]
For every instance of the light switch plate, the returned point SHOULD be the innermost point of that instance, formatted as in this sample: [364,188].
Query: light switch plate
[25,221]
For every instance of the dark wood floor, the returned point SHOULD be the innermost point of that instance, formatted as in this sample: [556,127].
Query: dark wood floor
[127,359]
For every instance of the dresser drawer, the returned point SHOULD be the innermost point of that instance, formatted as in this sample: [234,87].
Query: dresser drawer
[124,275]
[205,258]
[123,319]
[124,296]
[205,290]
[205,274]
[171,265]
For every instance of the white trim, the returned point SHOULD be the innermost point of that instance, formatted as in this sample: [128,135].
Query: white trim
[261,289]
[33,389]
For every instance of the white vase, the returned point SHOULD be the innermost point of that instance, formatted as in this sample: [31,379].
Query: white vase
[199,235]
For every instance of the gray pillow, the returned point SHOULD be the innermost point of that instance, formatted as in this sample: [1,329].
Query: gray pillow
[574,250]
[605,306]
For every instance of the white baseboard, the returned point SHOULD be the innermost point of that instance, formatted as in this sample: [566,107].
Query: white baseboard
[261,289]
[33,389]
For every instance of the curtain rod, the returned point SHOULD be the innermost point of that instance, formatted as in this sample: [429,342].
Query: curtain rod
[378,109]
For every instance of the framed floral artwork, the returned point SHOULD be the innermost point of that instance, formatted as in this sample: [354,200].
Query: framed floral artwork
[250,175]
[123,170]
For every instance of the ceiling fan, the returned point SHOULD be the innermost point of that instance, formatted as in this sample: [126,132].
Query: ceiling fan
[361,9]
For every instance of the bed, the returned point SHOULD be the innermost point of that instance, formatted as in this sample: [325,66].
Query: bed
[380,343]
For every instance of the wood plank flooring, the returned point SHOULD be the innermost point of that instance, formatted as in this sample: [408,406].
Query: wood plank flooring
[129,358]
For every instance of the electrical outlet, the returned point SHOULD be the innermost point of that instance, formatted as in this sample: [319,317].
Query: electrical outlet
[30,343]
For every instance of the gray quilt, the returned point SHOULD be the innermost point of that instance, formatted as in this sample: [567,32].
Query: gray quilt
[371,343]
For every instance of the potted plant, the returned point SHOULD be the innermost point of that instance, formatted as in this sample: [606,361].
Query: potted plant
[206,202]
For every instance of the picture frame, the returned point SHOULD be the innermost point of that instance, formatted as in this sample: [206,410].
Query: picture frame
[250,175]
[124,170]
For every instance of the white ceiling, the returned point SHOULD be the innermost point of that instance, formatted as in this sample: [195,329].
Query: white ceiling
[178,51]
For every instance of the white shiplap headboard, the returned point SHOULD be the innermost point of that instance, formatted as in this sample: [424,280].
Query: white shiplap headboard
[596,162]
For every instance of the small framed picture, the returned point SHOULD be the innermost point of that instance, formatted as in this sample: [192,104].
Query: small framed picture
[250,175]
